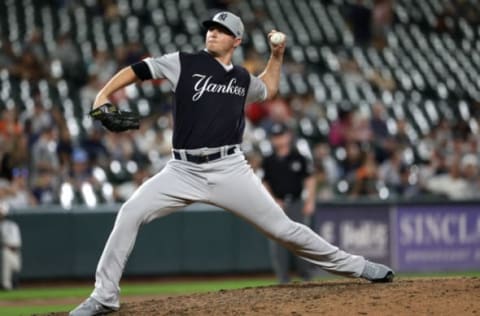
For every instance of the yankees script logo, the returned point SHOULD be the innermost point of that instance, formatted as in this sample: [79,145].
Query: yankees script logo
[204,85]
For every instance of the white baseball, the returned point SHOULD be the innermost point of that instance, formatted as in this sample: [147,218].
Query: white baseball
[277,38]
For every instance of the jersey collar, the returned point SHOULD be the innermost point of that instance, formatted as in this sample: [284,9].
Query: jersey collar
[226,67]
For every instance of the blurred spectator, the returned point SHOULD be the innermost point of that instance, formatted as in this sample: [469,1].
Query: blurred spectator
[323,187]
[389,170]
[435,166]
[81,169]
[445,19]
[69,56]
[44,151]
[350,69]
[352,161]
[309,107]
[443,133]
[472,146]
[451,184]
[145,140]
[107,8]
[361,128]
[461,130]
[82,185]
[278,112]
[382,19]
[34,44]
[455,147]
[9,124]
[11,243]
[408,187]
[470,171]
[383,142]
[40,118]
[366,178]
[129,54]
[359,15]
[401,138]
[16,193]
[378,122]
[341,131]
[89,91]
[64,151]
[326,163]
[426,146]
[163,142]
[13,143]
[120,146]
[381,81]
[256,112]
[45,188]
[29,67]
[94,144]
[7,55]
[103,66]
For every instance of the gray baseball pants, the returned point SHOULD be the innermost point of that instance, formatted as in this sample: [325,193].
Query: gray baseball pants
[229,183]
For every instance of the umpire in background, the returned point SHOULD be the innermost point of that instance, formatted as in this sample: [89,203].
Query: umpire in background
[288,175]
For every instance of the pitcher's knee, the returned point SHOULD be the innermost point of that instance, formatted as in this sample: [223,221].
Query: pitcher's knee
[131,213]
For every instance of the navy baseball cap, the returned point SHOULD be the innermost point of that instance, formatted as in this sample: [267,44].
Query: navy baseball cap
[279,129]
[229,21]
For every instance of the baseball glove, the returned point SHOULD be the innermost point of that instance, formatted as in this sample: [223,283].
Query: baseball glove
[115,120]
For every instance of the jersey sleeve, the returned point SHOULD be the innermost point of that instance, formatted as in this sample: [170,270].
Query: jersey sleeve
[257,91]
[166,66]
[309,167]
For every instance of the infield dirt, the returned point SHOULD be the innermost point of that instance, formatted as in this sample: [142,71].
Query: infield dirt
[419,296]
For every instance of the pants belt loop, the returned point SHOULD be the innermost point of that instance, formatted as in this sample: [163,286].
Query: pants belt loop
[223,151]
[183,154]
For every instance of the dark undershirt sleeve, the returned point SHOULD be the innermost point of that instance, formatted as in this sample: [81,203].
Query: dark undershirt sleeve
[142,71]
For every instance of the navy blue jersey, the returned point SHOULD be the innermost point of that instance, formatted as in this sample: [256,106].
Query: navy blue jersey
[209,103]
[209,97]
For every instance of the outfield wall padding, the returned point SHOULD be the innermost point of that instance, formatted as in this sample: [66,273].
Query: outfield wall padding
[60,244]
[202,239]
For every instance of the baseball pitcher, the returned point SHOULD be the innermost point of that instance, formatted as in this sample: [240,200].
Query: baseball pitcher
[207,163]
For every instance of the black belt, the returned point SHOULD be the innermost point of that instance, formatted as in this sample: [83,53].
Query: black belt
[203,158]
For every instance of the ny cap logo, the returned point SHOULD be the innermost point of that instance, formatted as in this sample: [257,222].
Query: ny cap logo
[223,16]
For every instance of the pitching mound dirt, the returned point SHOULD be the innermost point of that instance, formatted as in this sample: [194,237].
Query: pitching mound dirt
[437,296]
